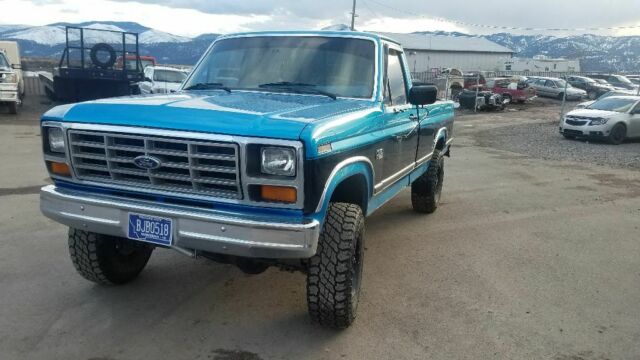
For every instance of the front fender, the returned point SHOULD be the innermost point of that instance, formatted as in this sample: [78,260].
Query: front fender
[358,165]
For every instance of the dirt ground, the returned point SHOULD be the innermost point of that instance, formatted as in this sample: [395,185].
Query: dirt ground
[528,257]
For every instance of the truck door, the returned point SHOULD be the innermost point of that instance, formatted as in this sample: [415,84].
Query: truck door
[401,126]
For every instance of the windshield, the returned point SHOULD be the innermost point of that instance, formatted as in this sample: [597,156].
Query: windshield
[169,76]
[3,61]
[613,104]
[340,66]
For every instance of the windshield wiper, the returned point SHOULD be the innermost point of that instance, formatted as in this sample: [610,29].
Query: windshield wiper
[297,87]
[208,86]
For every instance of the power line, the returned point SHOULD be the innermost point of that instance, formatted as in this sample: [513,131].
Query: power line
[501,27]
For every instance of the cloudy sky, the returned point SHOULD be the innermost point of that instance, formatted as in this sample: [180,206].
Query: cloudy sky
[194,17]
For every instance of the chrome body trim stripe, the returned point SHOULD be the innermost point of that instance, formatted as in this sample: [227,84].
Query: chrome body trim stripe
[391,179]
[424,159]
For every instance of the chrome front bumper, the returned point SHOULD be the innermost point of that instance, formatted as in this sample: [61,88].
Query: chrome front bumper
[9,92]
[194,229]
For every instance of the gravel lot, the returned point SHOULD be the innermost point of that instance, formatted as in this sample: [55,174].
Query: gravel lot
[525,259]
[543,141]
[537,136]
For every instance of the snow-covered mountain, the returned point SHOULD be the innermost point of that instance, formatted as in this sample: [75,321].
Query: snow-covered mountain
[596,53]
[55,34]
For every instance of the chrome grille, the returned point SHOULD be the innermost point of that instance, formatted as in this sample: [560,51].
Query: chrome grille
[189,166]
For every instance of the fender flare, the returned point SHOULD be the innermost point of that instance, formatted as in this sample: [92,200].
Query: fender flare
[357,165]
[441,134]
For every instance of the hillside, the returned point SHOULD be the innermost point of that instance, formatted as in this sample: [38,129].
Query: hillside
[597,53]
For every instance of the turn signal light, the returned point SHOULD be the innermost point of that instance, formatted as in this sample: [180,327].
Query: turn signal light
[283,194]
[59,168]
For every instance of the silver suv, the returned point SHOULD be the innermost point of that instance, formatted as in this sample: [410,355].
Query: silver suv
[554,87]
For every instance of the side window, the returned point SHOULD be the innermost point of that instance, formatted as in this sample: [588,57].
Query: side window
[549,83]
[540,82]
[395,89]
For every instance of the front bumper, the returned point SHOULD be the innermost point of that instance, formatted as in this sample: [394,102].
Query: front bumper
[597,131]
[194,229]
[9,92]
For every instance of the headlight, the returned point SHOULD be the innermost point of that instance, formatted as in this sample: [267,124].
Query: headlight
[10,78]
[278,161]
[56,140]
[598,121]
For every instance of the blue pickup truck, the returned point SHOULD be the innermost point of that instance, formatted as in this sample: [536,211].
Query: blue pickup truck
[272,153]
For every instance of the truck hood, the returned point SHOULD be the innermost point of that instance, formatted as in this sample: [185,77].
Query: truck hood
[256,114]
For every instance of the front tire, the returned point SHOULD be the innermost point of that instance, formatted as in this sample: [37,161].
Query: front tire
[107,260]
[618,134]
[427,189]
[334,274]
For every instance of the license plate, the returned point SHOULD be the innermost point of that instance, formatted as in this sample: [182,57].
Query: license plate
[152,229]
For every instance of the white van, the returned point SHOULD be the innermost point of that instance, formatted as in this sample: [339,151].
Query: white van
[11,82]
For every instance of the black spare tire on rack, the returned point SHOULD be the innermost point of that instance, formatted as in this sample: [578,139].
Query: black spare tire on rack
[101,62]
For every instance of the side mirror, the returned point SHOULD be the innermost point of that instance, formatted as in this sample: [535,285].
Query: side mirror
[423,95]
[16,66]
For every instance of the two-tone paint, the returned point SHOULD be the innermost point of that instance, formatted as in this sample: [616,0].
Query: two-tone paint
[357,148]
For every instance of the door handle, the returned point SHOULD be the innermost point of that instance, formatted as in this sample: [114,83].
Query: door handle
[405,136]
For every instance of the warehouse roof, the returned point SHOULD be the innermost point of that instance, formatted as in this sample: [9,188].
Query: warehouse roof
[446,43]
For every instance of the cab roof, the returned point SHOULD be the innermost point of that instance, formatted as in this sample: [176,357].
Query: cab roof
[328,33]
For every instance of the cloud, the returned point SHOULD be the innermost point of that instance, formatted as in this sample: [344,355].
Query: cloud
[191,17]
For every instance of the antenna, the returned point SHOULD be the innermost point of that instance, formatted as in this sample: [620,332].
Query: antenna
[353,16]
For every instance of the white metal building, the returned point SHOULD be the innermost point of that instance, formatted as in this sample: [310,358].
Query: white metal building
[539,64]
[426,52]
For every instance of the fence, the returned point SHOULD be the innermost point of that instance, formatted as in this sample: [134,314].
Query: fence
[32,85]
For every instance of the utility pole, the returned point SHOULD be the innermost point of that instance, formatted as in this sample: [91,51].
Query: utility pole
[353,16]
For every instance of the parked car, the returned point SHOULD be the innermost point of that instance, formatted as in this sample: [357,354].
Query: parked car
[554,87]
[593,88]
[251,163]
[618,81]
[481,100]
[511,89]
[585,104]
[161,80]
[11,81]
[614,119]
[471,79]
[449,83]
[131,62]
[634,79]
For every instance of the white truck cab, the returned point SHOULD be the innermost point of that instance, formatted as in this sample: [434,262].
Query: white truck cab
[11,82]
[161,80]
